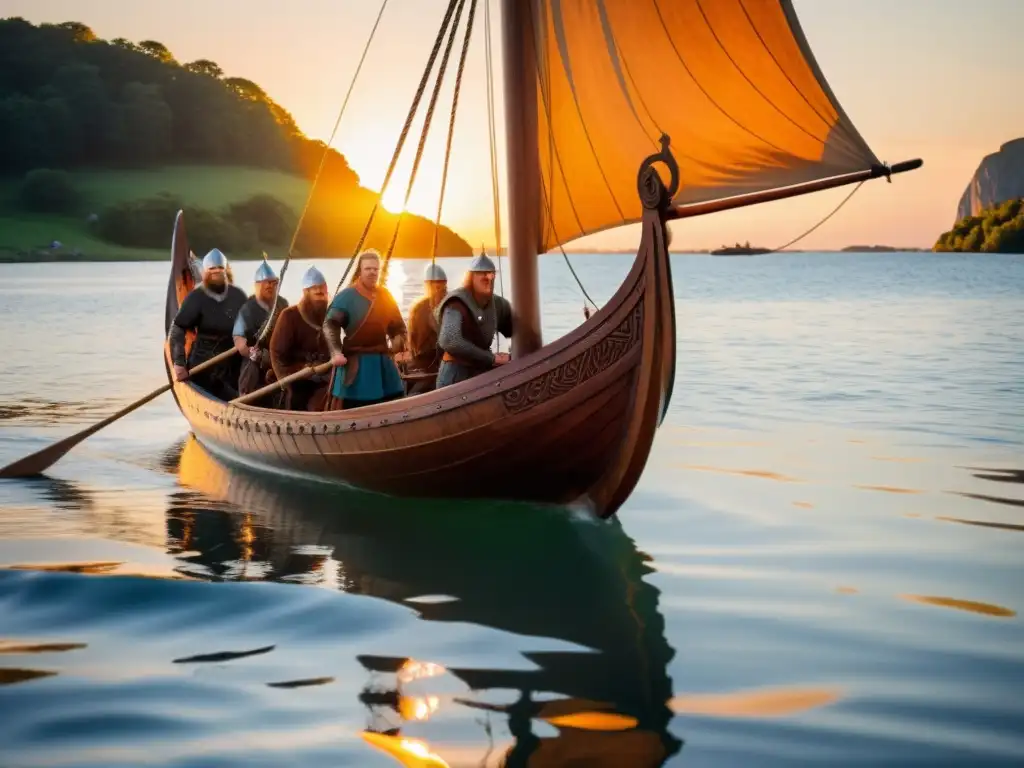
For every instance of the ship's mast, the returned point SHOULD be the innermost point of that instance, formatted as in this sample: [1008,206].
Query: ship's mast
[524,193]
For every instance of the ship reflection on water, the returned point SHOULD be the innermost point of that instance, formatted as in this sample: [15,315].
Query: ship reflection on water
[529,571]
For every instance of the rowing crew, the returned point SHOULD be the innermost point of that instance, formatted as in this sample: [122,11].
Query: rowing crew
[361,331]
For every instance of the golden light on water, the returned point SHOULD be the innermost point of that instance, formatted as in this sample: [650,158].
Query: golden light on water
[417,670]
[417,707]
[410,752]
[396,280]
[594,721]
[765,702]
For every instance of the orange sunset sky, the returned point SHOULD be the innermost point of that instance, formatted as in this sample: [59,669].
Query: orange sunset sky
[936,79]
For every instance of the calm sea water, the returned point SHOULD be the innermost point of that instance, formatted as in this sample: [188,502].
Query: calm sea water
[823,563]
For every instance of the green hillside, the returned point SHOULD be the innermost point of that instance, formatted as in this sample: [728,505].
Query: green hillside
[101,142]
[208,187]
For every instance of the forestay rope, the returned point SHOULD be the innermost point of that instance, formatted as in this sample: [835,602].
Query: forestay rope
[323,159]
[401,139]
[543,188]
[493,143]
[451,125]
[442,69]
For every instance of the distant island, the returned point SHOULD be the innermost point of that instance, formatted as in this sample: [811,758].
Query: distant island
[999,229]
[105,140]
[879,249]
[740,250]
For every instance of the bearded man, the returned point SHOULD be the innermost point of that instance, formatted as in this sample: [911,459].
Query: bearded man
[369,317]
[423,355]
[255,353]
[210,311]
[468,318]
[297,342]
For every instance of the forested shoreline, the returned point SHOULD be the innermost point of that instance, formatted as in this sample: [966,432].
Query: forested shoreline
[71,102]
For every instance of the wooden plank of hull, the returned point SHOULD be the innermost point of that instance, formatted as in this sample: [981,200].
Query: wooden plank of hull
[576,418]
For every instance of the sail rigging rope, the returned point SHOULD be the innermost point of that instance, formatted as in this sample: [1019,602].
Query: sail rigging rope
[543,187]
[492,142]
[323,158]
[451,126]
[427,122]
[835,210]
[401,139]
[492,138]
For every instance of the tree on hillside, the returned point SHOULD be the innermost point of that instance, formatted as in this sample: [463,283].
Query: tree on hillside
[157,50]
[146,122]
[246,89]
[205,67]
[80,33]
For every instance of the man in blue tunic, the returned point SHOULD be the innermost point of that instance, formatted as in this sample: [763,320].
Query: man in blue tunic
[256,368]
[469,318]
[210,311]
[368,315]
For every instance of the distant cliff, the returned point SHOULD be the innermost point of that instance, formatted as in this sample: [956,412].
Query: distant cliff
[1000,177]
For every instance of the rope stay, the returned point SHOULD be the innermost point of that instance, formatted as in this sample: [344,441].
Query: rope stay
[492,135]
[316,177]
[401,139]
[493,146]
[543,186]
[427,122]
[451,127]
[835,210]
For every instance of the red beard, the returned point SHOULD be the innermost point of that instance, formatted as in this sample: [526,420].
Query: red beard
[316,311]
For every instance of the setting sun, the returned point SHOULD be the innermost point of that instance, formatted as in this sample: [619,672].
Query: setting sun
[393,199]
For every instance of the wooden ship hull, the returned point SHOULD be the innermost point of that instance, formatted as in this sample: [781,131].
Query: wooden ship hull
[574,420]
[584,585]
[571,422]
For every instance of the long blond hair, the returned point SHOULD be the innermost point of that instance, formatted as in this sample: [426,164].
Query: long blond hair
[369,253]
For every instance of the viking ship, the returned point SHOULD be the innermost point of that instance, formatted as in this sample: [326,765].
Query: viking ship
[585,585]
[593,91]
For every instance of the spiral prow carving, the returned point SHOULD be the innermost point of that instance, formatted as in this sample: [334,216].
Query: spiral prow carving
[654,195]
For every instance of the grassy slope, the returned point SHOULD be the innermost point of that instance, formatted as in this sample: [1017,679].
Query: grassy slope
[203,186]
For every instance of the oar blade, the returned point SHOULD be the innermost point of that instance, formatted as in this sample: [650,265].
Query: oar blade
[36,463]
[40,461]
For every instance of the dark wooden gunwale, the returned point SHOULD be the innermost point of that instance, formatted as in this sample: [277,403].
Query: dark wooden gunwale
[472,439]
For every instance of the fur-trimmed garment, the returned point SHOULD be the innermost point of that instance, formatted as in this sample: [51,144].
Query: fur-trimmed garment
[295,344]
[425,355]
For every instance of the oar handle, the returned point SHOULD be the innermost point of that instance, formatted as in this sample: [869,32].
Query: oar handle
[305,373]
[212,361]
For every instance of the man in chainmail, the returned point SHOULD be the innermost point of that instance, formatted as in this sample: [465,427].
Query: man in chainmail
[469,316]
[255,353]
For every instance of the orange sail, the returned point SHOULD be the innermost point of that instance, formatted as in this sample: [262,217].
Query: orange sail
[732,82]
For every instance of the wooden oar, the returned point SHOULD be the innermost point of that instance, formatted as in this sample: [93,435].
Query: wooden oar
[305,373]
[40,461]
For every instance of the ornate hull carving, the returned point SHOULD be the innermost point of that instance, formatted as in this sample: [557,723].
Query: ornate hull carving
[584,366]
[574,419]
